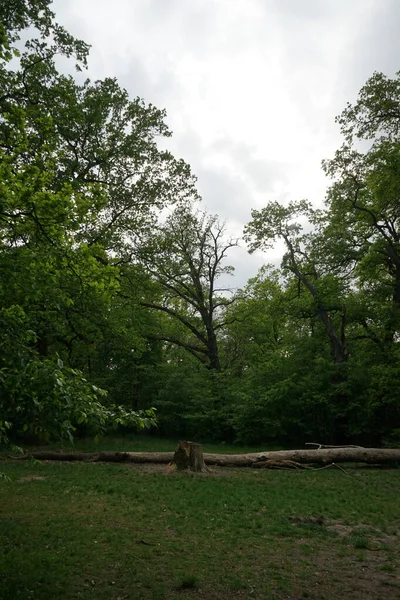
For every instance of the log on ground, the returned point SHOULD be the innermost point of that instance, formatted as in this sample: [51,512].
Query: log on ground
[318,457]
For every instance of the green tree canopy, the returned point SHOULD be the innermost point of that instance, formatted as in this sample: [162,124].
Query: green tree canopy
[81,174]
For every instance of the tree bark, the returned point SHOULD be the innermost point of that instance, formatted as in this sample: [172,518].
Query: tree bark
[322,456]
[189,456]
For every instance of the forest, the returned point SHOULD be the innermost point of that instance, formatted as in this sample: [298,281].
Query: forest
[115,309]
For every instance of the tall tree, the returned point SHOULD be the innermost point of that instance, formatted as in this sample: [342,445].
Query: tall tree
[363,201]
[301,260]
[185,255]
[80,174]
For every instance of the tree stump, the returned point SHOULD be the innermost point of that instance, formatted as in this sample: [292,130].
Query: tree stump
[189,456]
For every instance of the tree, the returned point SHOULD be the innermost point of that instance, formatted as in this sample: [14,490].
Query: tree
[80,174]
[364,198]
[301,260]
[185,257]
[364,213]
[344,271]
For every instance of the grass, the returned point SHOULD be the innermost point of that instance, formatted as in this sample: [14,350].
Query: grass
[122,532]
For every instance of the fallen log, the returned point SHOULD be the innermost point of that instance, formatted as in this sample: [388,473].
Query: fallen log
[319,457]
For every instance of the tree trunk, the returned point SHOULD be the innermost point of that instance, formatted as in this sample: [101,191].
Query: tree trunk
[196,461]
[189,456]
[213,354]
[339,349]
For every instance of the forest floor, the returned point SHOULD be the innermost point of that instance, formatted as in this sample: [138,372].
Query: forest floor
[126,532]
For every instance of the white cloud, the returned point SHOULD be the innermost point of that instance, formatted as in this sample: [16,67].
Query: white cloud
[251,86]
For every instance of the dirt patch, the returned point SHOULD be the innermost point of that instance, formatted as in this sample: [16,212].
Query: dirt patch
[162,468]
[29,478]
[373,535]
[341,530]
[357,577]
[340,569]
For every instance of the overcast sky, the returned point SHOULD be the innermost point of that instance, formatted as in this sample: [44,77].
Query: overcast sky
[251,87]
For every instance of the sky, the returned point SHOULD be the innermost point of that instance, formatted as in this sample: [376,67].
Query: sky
[251,88]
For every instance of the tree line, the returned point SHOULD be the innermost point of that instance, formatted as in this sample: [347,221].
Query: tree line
[109,311]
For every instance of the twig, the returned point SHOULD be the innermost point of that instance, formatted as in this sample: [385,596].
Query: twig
[287,465]
[324,446]
[329,467]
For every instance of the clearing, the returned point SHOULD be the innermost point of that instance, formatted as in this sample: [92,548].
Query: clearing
[126,532]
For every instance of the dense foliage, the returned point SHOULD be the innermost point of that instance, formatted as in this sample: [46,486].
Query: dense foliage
[109,309]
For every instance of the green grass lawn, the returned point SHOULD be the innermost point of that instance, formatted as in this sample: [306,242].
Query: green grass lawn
[125,532]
